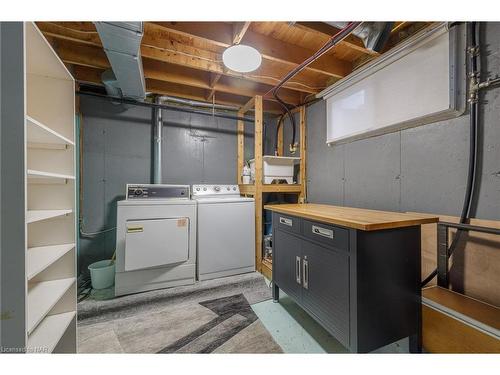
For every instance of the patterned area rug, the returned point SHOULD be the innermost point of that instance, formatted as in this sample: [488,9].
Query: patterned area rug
[210,317]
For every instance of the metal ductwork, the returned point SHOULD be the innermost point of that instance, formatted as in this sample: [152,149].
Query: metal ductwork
[373,34]
[111,83]
[122,43]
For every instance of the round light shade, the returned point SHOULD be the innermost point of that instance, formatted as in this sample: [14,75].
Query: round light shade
[241,58]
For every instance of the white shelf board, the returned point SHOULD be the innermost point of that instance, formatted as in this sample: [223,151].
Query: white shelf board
[49,331]
[41,176]
[37,215]
[42,297]
[40,134]
[41,257]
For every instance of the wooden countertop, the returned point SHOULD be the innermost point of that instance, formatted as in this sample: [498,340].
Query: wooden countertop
[357,218]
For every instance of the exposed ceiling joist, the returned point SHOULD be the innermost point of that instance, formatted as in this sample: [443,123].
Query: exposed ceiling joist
[327,30]
[220,34]
[214,78]
[179,75]
[239,30]
[185,58]
[93,76]
[159,45]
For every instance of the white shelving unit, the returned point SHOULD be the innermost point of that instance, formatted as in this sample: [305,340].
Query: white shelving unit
[49,331]
[42,297]
[38,215]
[41,136]
[41,257]
[38,177]
[50,198]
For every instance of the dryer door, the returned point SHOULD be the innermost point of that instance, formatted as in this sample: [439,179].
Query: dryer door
[156,242]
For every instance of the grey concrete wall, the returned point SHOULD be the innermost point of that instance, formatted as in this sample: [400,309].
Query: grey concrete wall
[12,175]
[422,169]
[117,150]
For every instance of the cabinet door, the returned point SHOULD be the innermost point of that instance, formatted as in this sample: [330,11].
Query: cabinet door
[287,265]
[326,288]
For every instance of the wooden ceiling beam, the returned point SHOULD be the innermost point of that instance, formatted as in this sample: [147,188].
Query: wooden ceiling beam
[93,76]
[326,30]
[178,75]
[239,30]
[160,46]
[221,34]
[214,78]
[166,88]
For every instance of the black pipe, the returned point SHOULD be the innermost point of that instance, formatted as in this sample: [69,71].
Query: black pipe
[292,120]
[474,69]
[164,106]
[278,126]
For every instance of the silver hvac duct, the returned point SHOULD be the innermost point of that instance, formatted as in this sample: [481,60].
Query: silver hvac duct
[122,43]
[111,83]
[373,34]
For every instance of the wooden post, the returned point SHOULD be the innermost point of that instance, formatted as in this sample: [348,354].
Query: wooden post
[258,181]
[241,148]
[303,154]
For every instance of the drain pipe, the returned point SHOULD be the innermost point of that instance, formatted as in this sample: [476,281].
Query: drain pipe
[157,142]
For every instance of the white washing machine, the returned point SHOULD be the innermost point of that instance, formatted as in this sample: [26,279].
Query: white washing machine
[155,238]
[226,231]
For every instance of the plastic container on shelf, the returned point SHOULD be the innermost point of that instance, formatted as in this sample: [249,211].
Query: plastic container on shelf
[276,168]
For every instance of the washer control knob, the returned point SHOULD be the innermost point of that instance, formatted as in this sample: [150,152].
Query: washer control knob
[228,188]
[234,187]
[217,188]
[204,189]
[138,192]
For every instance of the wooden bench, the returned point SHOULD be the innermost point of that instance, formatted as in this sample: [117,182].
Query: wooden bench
[454,323]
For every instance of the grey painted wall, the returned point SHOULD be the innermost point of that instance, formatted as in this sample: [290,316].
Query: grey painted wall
[422,169]
[12,202]
[117,150]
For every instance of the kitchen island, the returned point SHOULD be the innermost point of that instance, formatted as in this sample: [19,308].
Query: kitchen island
[355,271]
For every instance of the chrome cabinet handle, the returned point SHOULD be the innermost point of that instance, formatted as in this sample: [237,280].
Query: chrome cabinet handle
[284,220]
[305,273]
[298,278]
[328,233]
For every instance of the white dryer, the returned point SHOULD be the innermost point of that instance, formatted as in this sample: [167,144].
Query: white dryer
[155,238]
[226,231]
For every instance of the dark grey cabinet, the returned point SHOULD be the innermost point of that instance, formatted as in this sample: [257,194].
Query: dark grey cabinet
[287,271]
[326,287]
[363,287]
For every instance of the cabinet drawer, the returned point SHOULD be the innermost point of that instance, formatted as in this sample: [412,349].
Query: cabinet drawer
[287,223]
[328,234]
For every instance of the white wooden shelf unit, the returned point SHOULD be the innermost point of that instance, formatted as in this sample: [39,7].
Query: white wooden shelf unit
[50,198]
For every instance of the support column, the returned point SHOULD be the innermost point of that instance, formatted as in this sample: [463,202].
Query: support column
[303,154]
[241,148]
[258,181]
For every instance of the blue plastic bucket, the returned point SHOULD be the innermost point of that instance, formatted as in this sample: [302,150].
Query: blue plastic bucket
[102,274]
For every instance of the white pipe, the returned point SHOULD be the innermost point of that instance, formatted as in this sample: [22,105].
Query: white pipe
[157,144]
[196,103]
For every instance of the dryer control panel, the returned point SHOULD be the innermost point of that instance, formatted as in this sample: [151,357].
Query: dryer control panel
[157,191]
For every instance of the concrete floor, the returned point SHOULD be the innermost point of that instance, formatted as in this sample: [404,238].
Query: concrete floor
[296,332]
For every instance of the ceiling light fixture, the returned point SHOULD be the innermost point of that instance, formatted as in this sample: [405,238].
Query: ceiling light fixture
[241,58]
